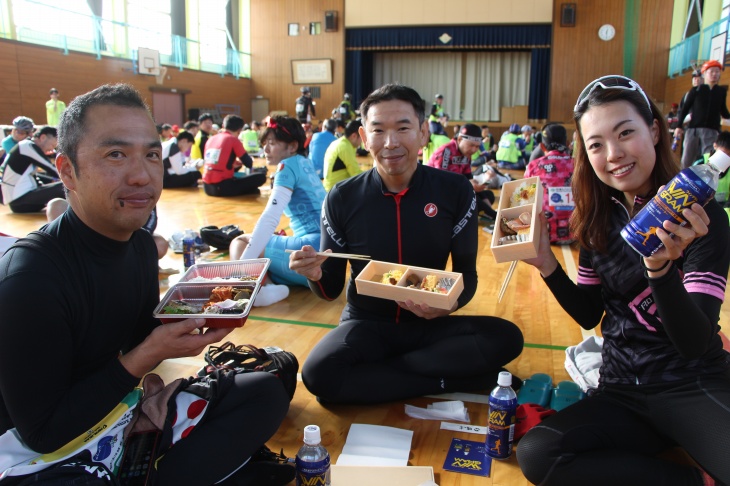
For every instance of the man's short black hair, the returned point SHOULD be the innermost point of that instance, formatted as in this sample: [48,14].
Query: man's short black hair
[185,136]
[723,140]
[205,116]
[72,125]
[166,126]
[352,127]
[393,91]
[190,124]
[46,130]
[233,123]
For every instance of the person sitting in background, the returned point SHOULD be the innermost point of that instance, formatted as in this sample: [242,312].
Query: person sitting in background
[205,131]
[166,132]
[224,156]
[298,193]
[509,154]
[527,136]
[178,172]
[340,160]
[555,170]
[455,156]
[319,144]
[250,139]
[722,194]
[665,379]
[434,142]
[403,212]
[24,190]
[22,129]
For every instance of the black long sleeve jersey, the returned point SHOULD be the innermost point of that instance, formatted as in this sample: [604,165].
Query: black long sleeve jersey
[706,105]
[655,330]
[434,218]
[61,334]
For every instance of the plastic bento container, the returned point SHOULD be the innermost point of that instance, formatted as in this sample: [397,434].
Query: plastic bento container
[227,271]
[226,274]
[199,294]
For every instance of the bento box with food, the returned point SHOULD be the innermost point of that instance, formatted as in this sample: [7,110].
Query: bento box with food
[393,281]
[222,293]
[222,305]
[237,271]
[516,230]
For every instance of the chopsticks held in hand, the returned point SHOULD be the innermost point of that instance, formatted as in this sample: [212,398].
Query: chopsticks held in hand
[506,280]
[349,256]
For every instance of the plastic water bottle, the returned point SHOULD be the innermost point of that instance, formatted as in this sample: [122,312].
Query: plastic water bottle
[696,184]
[675,142]
[189,249]
[502,418]
[313,460]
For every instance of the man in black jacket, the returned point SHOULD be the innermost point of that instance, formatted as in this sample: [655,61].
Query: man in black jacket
[706,103]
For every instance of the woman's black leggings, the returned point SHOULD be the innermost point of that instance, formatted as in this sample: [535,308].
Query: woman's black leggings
[613,436]
[247,416]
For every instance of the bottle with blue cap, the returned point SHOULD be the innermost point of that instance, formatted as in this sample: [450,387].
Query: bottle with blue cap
[502,418]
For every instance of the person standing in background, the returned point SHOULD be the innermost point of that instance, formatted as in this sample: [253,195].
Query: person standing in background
[304,106]
[436,118]
[706,103]
[54,108]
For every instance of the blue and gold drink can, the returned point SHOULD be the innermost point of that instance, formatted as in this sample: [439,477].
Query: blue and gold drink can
[691,185]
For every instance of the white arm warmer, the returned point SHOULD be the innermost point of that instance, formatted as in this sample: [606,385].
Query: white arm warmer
[266,225]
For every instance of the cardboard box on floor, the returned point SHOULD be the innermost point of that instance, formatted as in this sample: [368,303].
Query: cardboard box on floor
[380,475]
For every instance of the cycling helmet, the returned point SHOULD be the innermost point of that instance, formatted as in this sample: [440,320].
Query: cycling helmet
[347,96]
[514,128]
[526,128]
[23,123]
[304,89]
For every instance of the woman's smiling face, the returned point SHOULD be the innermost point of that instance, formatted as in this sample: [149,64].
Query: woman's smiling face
[620,146]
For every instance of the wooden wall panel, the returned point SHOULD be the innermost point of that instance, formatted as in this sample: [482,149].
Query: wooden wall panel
[579,56]
[27,72]
[273,49]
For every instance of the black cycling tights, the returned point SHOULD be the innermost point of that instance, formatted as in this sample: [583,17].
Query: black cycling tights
[613,437]
[364,361]
[247,416]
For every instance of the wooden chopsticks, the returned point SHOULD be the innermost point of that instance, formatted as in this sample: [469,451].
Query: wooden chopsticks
[506,280]
[349,256]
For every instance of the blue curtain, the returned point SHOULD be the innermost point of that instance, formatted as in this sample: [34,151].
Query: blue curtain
[360,44]
[539,84]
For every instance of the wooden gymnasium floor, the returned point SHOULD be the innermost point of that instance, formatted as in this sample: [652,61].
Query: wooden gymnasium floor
[298,322]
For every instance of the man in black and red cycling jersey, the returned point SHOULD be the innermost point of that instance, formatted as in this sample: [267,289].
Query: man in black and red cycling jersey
[406,213]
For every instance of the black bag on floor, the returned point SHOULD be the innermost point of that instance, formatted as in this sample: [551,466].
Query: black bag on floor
[220,237]
[246,358]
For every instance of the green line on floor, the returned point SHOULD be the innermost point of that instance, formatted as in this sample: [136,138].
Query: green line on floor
[297,323]
[332,326]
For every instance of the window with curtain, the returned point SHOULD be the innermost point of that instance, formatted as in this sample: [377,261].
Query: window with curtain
[475,85]
[150,25]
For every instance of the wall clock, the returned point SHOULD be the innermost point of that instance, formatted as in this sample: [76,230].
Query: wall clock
[606,32]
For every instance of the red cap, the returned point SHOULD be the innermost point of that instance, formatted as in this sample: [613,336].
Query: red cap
[711,64]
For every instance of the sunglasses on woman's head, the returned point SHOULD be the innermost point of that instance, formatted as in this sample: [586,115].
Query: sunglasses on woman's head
[610,82]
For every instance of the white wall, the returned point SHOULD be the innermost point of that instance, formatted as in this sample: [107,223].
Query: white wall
[395,13]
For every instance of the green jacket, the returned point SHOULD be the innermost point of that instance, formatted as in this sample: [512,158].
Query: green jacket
[508,151]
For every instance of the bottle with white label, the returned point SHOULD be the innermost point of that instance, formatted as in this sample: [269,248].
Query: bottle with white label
[313,460]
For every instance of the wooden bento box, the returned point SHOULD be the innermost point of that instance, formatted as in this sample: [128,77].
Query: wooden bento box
[197,285]
[524,245]
[369,282]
